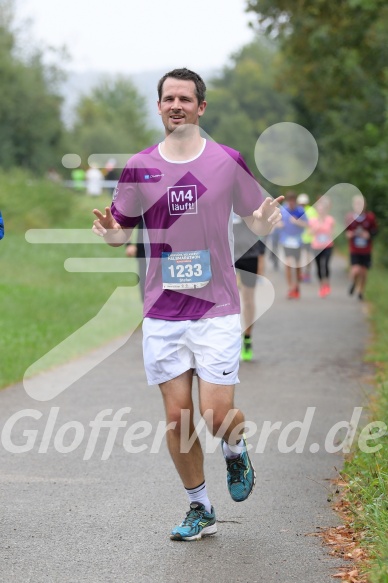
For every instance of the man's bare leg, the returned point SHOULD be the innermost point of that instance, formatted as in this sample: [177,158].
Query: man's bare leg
[362,282]
[177,396]
[216,404]
[289,279]
[354,277]
[248,308]
[224,420]
[200,520]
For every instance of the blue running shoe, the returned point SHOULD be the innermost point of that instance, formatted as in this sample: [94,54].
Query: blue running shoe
[197,524]
[241,476]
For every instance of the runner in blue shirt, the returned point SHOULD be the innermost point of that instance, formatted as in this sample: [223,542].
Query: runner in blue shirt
[293,224]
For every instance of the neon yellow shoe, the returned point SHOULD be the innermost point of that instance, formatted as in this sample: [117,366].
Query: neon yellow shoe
[246,349]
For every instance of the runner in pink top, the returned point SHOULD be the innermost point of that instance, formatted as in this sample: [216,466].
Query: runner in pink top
[186,189]
[322,230]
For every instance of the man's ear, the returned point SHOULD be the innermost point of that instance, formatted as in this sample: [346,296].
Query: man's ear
[202,107]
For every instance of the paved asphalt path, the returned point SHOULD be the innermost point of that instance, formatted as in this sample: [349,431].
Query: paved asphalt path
[65,519]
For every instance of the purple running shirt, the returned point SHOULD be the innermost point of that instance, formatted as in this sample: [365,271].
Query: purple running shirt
[188,206]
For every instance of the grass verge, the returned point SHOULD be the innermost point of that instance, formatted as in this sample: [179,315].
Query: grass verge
[42,304]
[365,491]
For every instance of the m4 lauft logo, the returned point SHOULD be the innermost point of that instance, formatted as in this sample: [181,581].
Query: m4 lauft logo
[182,200]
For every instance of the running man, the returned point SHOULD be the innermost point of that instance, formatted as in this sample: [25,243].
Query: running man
[303,200]
[186,189]
[249,255]
[361,227]
[293,223]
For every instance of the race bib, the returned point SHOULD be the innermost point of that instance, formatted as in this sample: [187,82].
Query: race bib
[360,242]
[322,238]
[186,269]
[292,242]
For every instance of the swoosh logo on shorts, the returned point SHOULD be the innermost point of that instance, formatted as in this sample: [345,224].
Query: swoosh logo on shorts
[225,373]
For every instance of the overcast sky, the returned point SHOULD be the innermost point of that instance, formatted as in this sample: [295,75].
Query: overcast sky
[130,36]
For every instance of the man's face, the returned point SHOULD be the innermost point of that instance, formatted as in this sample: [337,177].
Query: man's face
[358,204]
[179,104]
[291,201]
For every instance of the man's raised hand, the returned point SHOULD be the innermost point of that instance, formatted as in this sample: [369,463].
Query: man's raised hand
[103,223]
[106,226]
[269,210]
[263,220]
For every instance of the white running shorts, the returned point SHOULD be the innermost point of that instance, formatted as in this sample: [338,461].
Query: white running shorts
[211,346]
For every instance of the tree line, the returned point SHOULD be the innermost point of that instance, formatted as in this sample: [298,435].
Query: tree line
[322,65]
[33,135]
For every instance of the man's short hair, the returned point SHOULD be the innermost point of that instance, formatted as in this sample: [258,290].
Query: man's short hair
[291,195]
[185,75]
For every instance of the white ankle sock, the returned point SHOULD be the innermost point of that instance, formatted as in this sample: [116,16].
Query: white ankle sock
[199,494]
[233,451]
